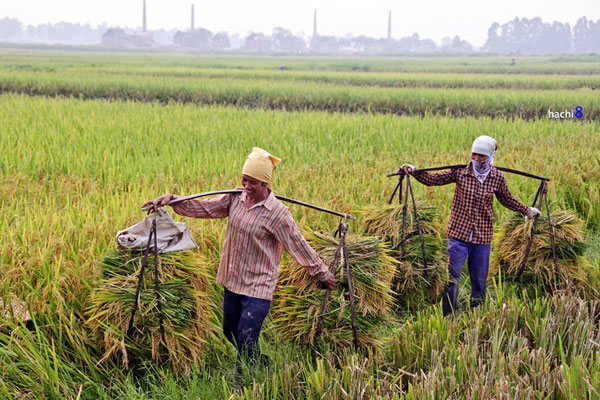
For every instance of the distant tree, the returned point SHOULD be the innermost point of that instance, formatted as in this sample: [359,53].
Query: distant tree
[586,36]
[236,41]
[558,38]
[65,33]
[11,30]
[493,42]
[460,46]
[221,41]
[324,44]
[529,36]
[365,45]
[200,38]
[446,43]
[580,36]
[284,40]
[258,42]
[426,46]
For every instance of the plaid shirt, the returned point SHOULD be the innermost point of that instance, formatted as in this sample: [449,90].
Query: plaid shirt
[253,242]
[472,206]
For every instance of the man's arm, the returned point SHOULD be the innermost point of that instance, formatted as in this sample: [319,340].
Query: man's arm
[217,207]
[289,236]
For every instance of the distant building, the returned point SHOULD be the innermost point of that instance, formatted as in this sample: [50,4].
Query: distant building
[117,37]
[199,39]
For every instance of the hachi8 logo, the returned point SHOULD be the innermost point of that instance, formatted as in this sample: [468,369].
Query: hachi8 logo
[566,114]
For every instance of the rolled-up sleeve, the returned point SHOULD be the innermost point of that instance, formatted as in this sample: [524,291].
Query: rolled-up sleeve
[217,207]
[289,236]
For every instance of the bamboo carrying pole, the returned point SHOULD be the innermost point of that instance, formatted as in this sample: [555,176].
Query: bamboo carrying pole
[238,191]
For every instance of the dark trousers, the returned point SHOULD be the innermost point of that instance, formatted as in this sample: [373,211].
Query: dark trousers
[478,256]
[242,320]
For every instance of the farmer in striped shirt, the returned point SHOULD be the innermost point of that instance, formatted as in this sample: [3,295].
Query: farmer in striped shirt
[259,226]
[470,228]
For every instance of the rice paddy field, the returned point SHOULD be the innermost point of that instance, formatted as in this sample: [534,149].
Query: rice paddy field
[86,138]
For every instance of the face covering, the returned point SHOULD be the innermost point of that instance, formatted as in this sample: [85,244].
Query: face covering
[483,168]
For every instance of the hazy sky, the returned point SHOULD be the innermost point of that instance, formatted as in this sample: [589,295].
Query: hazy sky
[432,19]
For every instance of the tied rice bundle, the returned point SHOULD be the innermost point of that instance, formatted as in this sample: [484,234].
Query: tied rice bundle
[187,308]
[412,283]
[511,241]
[298,300]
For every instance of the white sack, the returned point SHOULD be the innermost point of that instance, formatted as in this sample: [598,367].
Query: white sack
[170,235]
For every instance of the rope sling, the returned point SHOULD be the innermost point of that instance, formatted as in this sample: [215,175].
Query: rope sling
[341,248]
[156,287]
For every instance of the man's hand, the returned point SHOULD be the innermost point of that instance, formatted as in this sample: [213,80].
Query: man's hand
[159,201]
[329,281]
[407,168]
[533,212]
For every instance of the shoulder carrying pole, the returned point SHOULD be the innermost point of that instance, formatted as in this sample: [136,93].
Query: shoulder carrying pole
[238,191]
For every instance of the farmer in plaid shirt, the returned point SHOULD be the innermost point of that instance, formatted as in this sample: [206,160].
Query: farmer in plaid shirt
[258,227]
[470,228]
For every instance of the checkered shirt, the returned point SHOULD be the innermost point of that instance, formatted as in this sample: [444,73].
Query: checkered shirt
[253,242]
[472,206]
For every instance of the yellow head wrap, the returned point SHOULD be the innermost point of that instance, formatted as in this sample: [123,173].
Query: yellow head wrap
[260,165]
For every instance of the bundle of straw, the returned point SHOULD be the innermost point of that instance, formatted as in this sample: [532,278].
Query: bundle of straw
[413,284]
[298,300]
[187,309]
[511,240]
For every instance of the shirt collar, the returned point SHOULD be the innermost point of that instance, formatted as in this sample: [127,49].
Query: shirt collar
[267,203]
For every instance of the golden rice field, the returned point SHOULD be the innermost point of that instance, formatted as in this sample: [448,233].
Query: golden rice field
[79,154]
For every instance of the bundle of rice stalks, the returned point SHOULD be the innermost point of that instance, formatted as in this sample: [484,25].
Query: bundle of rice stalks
[511,241]
[298,300]
[187,307]
[412,283]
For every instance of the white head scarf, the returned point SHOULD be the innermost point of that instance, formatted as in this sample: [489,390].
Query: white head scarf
[484,145]
[487,146]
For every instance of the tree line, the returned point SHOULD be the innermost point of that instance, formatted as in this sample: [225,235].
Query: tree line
[519,36]
[532,36]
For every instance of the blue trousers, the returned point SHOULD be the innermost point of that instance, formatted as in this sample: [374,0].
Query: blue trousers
[478,256]
[242,320]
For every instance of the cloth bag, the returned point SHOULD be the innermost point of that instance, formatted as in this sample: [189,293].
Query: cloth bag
[170,235]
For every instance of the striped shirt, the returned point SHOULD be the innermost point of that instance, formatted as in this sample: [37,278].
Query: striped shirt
[472,214]
[253,242]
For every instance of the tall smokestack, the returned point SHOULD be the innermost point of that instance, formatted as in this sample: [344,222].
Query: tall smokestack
[390,25]
[315,24]
[144,18]
[193,17]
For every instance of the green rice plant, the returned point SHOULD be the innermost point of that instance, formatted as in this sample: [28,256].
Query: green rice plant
[510,244]
[47,58]
[298,300]
[303,95]
[413,285]
[186,307]
[517,346]
[72,171]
